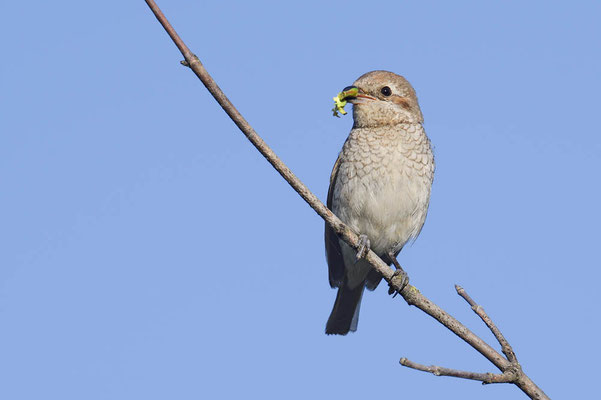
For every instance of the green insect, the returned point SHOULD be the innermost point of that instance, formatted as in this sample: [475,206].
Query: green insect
[340,101]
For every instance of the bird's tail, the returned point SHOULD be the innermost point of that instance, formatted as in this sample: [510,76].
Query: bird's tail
[345,314]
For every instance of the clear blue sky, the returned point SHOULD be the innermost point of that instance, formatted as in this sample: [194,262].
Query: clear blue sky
[147,251]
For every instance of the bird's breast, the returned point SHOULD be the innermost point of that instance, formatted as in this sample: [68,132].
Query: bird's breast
[382,188]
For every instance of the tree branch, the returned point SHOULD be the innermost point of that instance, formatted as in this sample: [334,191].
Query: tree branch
[486,377]
[411,295]
[511,373]
[506,348]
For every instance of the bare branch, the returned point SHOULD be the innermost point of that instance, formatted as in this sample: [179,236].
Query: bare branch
[505,346]
[485,377]
[411,295]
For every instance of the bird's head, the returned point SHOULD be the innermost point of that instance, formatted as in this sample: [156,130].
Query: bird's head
[383,98]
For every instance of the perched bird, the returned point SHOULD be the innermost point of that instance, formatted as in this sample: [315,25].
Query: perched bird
[380,187]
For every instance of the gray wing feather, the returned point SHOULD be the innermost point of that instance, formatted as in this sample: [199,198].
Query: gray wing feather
[333,250]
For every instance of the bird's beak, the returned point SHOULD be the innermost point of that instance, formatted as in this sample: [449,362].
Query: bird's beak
[355,95]
[350,94]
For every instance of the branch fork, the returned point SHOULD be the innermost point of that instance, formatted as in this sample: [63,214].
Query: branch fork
[511,372]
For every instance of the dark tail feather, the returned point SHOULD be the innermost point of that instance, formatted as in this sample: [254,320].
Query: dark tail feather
[345,314]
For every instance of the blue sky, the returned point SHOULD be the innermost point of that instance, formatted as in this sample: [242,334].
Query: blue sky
[148,251]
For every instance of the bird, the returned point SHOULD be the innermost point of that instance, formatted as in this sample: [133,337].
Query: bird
[380,186]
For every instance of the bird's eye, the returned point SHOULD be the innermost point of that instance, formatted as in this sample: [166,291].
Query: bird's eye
[386,91]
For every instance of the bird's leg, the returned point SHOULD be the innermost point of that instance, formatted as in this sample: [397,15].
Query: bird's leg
[399,275]
[363,248]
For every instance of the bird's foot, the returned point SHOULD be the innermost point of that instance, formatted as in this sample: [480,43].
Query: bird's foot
[399,279]
[363,248]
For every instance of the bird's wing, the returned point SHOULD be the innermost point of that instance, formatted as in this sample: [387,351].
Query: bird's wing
[333,251]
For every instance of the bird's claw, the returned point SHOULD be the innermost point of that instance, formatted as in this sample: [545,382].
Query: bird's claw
[363,248]
[399,279]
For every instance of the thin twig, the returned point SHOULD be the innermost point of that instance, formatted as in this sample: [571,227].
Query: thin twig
[484,377]
[411,295]
[505,346]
